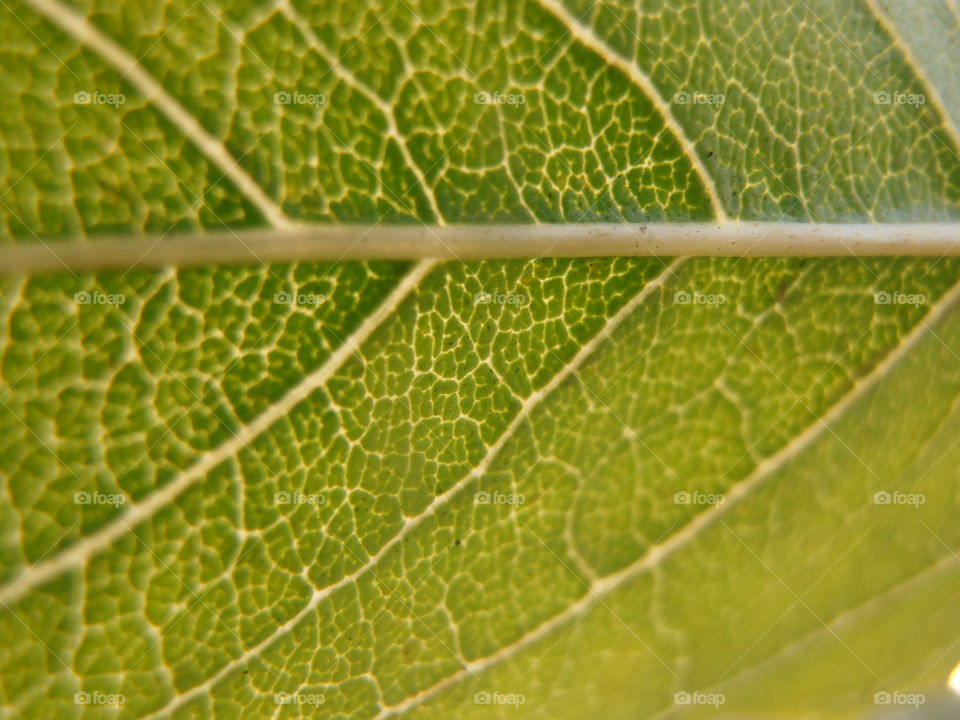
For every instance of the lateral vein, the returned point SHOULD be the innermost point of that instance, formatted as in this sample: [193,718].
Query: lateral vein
[77,554]
[591,40]
[658,553]
[348,76]
[928,87]
[77,25]
[411,523]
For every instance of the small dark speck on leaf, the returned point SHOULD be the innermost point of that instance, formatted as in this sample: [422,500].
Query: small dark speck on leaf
[457,542]
[710,154]
[782,291]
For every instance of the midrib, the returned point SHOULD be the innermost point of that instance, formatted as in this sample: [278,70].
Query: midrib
[316,243]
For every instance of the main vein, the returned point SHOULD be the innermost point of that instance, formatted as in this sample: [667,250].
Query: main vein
[314,243]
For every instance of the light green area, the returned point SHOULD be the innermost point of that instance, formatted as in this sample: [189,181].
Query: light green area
[122,399]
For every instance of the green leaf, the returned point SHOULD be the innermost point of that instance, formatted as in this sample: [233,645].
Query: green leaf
[543,488]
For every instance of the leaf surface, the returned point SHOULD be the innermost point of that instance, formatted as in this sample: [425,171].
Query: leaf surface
[425,486]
